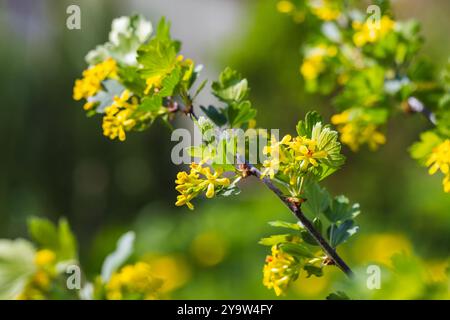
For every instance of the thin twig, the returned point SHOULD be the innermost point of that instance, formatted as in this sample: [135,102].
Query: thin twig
[296,210]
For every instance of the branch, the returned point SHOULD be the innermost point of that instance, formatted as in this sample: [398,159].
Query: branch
[415,105]
[295,209]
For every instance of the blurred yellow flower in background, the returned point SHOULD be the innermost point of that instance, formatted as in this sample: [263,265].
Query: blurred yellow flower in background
[379,248]
[44,258]
[173,270]
[354,132]
[313,63]
[209,248]
[39,283]
[133,282]
[326,10]
[370,31]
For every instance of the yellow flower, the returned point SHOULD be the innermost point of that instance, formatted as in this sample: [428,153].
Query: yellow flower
[118,116]
[133,281]
[200,179]
[325,9]
[279,271]
[370,31]
[274,149]
[92,79]
[270,168]
[38,285]
[41,279]
[153,82]
[308,154]
[440,160]
[314,63]
[173,270]
[372,137]
[285,6]
[44,258]
[209,248]
[355,131]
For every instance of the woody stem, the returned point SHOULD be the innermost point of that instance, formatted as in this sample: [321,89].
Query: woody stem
[296,210]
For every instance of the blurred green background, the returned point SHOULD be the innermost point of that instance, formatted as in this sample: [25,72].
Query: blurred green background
[54,162]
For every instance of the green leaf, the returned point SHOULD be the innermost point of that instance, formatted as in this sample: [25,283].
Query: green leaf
[275,239]
[44,233]
[284,224]
[240,113]
[67,242]
[59,239]
[338,234]
[313,270]
[231,190]
[150,104]
[16,267]
[158,57]
[230,87]
[341,209]
[317,199]
[364,88]
[214,115]
[305,127]
[296,249]
[131,79]
[327,140]
[117,258]
[421,150]
[200,88]
[338,295]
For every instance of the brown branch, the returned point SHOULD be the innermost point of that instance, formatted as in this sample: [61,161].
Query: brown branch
[296,210]
[331,253]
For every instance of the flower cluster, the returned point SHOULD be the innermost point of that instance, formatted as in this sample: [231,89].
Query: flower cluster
[280,270]
[313,63]
[38,286]
[119,116]
[200,179]
[439,159]
[310,153]
[132,78]
[326,10]
[133,282]
[371,31]
[355,131]
[367,62]
[91,83]
[294,156]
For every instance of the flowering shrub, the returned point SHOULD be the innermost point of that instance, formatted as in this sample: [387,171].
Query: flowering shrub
[139,77]
[371,65]
[157,84]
